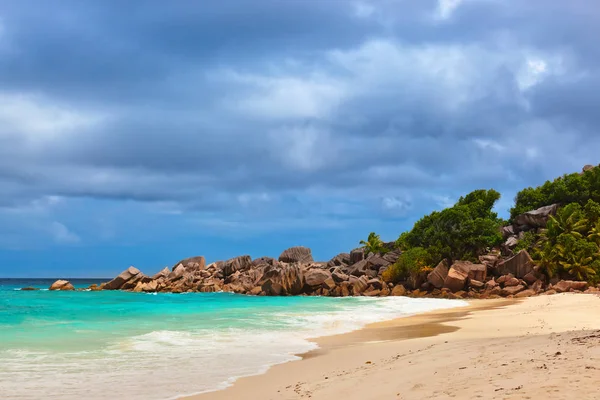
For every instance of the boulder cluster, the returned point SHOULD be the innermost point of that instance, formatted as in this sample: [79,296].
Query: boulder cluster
[293,273]
[526,222]
[347,274]
[495,277]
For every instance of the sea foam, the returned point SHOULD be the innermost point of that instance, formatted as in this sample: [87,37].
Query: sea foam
[234,339]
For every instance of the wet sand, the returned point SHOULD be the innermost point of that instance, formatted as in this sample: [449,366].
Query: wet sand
[545,347]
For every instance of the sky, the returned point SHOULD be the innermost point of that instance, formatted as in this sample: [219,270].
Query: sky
[143,132]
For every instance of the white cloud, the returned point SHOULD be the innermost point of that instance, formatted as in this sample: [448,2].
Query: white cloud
[485,144]
[398,206]
[285,96]
[36,117]
[363,10]
[61,234]
[248,199]
[444,201]
[303,148]
[447,7]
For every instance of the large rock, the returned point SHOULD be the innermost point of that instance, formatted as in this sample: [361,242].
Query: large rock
[357,255]
[474,271]
[587,167]
[340,260]
[512,290]
[359,269]
[398,290]
[124,277]
[438,275]
[162,273]
[264,261]
[193,263]
[507,231]
[456,279]
[177,273]
[297,254]
[359,284]
[536,218]
[132,283]
[519,265]
[376,262]
[392,256]
[240,263]
[567,286]
[315,278]
[511,242]
[283,279]
[339,276]
[62,285]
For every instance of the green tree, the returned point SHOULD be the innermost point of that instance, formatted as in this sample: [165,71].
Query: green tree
[571,188]
[409,265]
[373,244]
[460,232]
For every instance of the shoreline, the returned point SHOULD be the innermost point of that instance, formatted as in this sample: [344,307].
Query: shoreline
[343,361]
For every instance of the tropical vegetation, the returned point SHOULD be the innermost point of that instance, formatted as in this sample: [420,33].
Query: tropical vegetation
[568,248]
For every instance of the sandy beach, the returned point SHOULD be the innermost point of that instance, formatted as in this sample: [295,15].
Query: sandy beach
[545,347]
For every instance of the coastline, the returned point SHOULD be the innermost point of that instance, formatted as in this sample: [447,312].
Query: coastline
[488,349]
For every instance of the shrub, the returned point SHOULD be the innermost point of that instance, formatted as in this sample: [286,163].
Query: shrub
[411,263]
[460,232]
[571,188]
[374,244]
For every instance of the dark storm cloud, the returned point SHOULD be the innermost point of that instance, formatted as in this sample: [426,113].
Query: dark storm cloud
[237,105]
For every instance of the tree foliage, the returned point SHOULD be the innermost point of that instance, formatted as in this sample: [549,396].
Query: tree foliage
[571,188]
[460,232]
[411,263]
[569,246]
[374,244]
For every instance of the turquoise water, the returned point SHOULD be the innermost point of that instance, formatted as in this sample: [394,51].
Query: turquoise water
[159,346]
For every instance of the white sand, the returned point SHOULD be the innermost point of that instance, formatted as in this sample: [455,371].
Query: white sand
[545,347]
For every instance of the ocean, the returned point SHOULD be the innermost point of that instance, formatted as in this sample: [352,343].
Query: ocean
[121,345]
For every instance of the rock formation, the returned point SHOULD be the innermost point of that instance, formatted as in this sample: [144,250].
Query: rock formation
[62,285]
[347,274]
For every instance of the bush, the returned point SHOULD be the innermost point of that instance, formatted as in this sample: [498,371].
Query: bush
[411,263]
[570,243]
[571,188]
[374,244]
[528,242]
[461,232]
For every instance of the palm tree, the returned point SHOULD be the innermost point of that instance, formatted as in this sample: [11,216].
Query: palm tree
[594,233]
[567,220]
[547,263]
[579,266]
[373,243]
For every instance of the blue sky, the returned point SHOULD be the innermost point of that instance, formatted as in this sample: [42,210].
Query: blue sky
[141,132]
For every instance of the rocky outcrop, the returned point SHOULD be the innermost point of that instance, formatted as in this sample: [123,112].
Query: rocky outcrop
[456,279]
[62,285]
[569,286]
[282,279]
[493,277]
[124,277]
[341,260]
[519,265]
[357,255]
[240,263]
[297,254]
[162,273]
[359,284]
[315,278]
[192,264]
[473,271]
[536,218]
[437,277]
